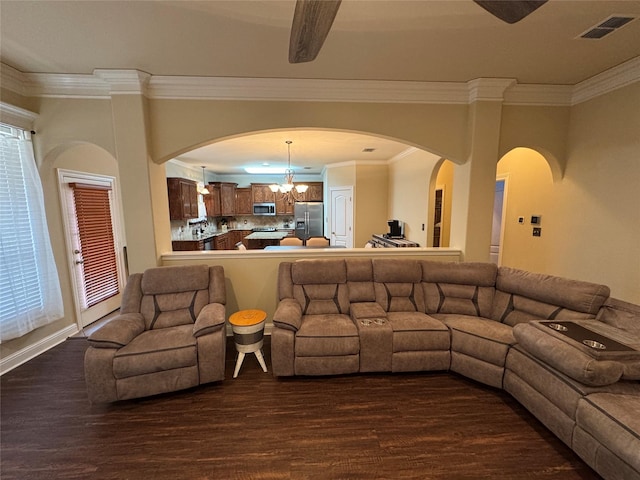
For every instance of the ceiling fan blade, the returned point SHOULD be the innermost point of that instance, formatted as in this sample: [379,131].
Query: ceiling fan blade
[312,21]
[510,11]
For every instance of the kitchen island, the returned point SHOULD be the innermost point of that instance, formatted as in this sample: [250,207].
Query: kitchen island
[259,240]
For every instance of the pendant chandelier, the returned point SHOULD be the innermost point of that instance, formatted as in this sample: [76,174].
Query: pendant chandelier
[203,190]
[290,191]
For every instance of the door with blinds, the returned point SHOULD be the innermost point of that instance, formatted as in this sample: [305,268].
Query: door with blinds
[95,262]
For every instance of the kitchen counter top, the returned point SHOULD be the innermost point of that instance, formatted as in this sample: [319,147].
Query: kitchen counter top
[203,236]
[267,235]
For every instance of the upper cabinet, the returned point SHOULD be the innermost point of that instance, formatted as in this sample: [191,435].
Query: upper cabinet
[225,199]
[228,198]
[261,193]
[221,201]
[315,192]
[244,201]
[183,198]
[213,202]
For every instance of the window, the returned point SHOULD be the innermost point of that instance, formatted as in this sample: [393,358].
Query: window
[30,294]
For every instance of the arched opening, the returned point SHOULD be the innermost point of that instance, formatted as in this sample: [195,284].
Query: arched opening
[385,174]
[440,200]
[531,220]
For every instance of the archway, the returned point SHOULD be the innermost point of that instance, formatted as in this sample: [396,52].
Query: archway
[385,182]
[440,200]
[85,163]
[530,223]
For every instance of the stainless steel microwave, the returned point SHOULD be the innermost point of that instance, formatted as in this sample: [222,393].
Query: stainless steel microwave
[264,208]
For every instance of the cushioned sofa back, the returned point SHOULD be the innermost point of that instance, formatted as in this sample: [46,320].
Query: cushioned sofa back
[461,288]
[173,296]
[522,296]
[360,280]
[320,286]
[397,285]
[620,314]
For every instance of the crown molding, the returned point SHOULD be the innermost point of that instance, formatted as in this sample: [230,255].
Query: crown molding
[539,95]
[124,82]
[608,81]
[276,89]
[103,83]
[489,89]
[13,80]
[16,116]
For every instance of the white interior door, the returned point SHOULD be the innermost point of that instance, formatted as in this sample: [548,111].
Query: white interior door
[341,212]
[91,306]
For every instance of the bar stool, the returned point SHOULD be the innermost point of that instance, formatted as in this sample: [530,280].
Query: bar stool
[248,334]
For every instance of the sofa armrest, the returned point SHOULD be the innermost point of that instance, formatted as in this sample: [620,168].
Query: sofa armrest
[362,310]
[210,319]
[566,358]
[288,315]
[118,332]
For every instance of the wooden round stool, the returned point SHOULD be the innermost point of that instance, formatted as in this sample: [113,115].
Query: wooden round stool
[248,333]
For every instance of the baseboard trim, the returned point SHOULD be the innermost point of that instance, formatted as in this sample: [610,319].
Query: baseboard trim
[22,356]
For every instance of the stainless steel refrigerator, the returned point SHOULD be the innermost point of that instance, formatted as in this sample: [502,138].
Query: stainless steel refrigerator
[309,219]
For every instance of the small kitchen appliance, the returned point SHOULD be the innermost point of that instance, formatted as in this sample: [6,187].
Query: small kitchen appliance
[396,229]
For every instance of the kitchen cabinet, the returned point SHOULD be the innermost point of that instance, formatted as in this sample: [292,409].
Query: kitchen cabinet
[238,236]
[260,243]
[221,242]
[244,201]
[315,192]
[261,193]
[228,198]
[212,202]
[282,206]
[187,245]
[221,201]
[183,198]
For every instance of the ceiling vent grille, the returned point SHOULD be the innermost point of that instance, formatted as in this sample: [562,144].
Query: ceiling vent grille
[610,25]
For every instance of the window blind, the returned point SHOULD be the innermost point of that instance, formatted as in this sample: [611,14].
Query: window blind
[30,295]
[95,229]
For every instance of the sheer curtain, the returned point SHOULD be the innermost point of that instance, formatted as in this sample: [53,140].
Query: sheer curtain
[30,294]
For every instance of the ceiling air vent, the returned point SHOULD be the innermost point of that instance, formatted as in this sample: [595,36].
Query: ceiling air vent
[610,25]
[368,150]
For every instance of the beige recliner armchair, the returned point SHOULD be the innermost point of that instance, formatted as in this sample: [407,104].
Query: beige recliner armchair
[168,336]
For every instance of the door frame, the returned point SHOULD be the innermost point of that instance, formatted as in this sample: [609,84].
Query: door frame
[503,220]
[65,176]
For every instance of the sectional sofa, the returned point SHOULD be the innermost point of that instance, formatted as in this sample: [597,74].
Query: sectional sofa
[499,326]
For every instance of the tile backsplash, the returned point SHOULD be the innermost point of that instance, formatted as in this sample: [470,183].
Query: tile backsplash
[181,229]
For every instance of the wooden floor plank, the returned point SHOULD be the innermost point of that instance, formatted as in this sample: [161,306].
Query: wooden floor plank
[432,426]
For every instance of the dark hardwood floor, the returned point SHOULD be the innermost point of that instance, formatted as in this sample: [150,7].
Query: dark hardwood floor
[403,426]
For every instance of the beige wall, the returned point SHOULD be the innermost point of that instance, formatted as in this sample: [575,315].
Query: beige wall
[370,205]
[530,191]
[445,179]
[599,196]
[410,198]
[595,212]
[590,216]
[181,125]
[370,190]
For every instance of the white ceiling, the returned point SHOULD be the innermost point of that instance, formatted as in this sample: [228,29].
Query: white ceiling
[417,40]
